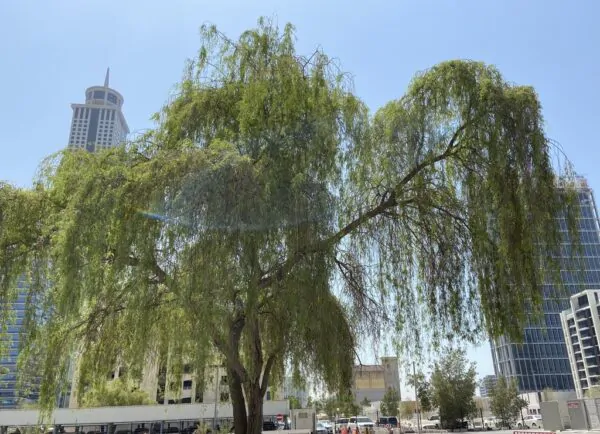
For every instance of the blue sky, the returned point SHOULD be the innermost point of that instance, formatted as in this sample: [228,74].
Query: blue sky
[53,50]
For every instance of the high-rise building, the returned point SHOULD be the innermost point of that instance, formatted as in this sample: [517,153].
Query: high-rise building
[581,327]
[10,394]
[542,361]
[99,122]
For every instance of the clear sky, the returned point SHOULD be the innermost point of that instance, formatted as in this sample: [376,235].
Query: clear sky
[53,50]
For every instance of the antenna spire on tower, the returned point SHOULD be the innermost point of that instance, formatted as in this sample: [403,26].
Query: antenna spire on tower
[106,78]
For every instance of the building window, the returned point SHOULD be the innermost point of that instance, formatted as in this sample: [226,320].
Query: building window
[186,400]
[187,384]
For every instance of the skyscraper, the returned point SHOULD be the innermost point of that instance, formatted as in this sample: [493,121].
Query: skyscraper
[542,362]
[99,123]
[10,395]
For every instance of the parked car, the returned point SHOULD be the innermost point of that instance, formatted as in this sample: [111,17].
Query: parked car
[392,421]
[531,421]
[321,429]
[341,423]
[269,425]
[361,422]
[328,425]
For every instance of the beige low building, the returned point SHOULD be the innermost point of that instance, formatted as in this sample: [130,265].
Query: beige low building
[372,381]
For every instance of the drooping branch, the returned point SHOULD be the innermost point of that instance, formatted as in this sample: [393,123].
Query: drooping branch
[390,202]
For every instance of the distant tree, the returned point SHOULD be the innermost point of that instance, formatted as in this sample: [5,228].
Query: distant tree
[365,402]
[115,393]
[347,404]
[593,392]
[390,402]
[330,406]
[547,394]
[319,405]
[423,391]
[294,402]
[309,402]
[407,409]
[453,387]
[424,396]
[479,406]
[505,402]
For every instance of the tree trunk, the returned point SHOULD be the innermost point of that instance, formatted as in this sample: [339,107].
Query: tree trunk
[255,409]
[237,401]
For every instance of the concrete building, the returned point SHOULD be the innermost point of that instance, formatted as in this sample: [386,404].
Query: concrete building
[581,327]
[486,384]
[289,389]
[190,390]
[372,381]
[542,361]
[99,122]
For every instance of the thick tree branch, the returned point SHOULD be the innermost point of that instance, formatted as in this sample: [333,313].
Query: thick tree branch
[267,373]
[231,351]
[158,274]
[390,202]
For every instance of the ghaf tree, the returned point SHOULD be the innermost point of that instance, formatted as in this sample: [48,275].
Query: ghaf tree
[269,220]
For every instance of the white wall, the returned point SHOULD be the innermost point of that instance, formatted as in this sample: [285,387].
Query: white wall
[142,413]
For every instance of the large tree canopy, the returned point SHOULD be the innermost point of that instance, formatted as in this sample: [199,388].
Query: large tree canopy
[270,220]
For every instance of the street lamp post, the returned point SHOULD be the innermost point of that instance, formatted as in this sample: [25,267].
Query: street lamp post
[417,400]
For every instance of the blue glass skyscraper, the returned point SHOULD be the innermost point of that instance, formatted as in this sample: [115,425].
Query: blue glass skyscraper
[10,396]
[541,362]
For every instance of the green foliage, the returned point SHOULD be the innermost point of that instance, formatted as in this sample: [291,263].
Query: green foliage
[294,402]
[453,387]
[115,393]
[390,402]
[330,406]
[365,402]
[592,392]
[423,390]
[407,409]
[267,204]
[424,396]
[548,394]
[505,402]
[347,405]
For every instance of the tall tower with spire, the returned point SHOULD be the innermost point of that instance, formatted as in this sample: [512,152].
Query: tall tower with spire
[99,122]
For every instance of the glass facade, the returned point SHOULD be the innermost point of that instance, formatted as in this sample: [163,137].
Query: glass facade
[9,396]
[541,362]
